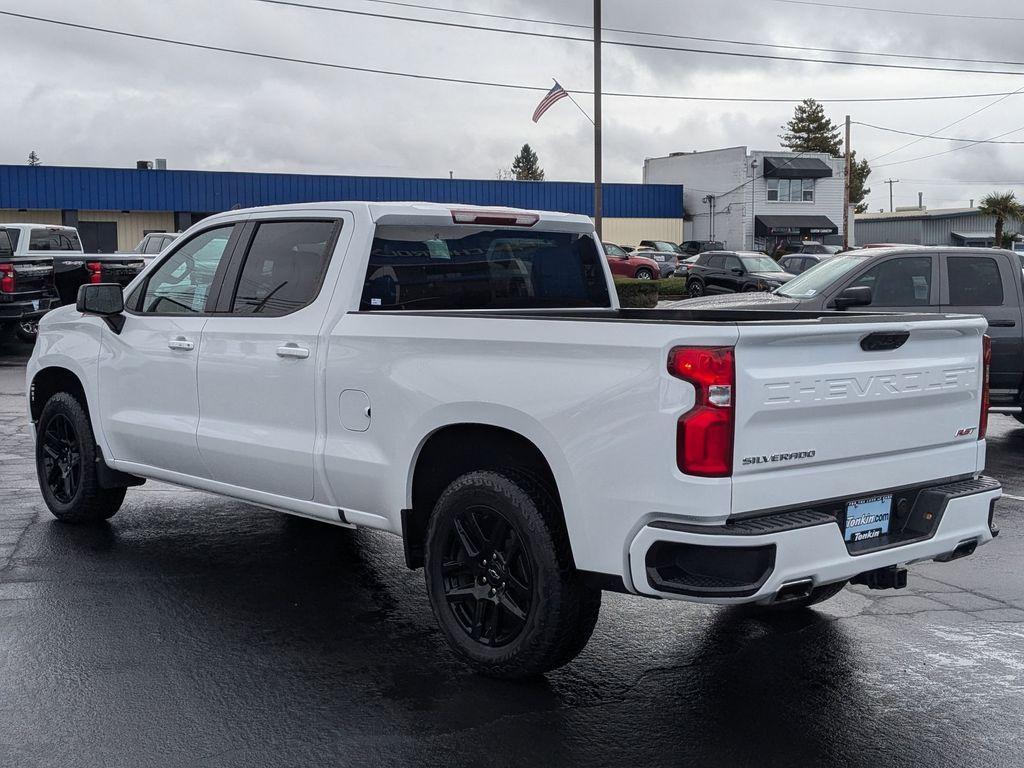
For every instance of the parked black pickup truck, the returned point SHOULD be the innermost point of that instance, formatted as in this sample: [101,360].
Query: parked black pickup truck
[941,279]
[71,270]
[26,285]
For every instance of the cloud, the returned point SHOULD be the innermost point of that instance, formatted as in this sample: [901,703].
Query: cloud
[81,98]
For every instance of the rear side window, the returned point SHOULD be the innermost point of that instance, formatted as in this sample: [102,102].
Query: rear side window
[6,247]
[974,281]
[53,240]
[453,267]
[284,268]
[900,282]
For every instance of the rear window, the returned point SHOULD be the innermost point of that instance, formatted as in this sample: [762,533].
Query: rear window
[413,268]
[6,246]
[54,240]
[974,282]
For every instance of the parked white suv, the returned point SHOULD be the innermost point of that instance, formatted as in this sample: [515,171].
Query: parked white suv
[464,377]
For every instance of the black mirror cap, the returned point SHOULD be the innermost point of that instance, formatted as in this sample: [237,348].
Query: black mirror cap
[856,296]
[104,299]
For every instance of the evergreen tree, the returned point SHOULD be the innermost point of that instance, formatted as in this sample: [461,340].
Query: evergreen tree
[33,158]
[811,131]
[859,172]
[526,166]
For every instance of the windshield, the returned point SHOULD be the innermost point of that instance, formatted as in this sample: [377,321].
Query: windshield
[760,264]
[819,277]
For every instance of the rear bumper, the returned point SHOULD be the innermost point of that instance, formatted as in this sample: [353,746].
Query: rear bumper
[27,310]
[751,560]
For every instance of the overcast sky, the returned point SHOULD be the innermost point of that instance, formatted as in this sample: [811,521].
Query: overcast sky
[84,98]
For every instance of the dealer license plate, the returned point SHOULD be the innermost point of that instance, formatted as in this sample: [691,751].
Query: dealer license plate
[868,518]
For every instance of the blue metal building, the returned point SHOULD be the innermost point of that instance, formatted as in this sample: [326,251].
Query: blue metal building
[129,202]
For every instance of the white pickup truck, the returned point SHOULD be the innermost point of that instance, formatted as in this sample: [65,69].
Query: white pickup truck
[464,378]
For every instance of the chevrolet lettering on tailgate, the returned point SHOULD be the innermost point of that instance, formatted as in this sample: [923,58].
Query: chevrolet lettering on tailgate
[879,385]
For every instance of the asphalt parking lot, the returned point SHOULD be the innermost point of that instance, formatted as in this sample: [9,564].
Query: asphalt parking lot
[194,630]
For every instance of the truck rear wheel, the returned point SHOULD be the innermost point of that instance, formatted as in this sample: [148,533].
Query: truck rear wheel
[66,464]
[501,579]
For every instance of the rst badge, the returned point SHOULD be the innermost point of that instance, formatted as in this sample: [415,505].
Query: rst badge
[965,432]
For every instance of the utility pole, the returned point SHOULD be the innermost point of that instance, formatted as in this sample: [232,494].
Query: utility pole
[890,182]
[846,187]
[597,116]
[753,184]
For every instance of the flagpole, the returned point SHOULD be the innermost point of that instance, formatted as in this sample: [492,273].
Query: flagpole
[597,116]
[581,109]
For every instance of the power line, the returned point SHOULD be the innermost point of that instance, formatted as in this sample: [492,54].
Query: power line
[963,182]
[932,136]
[949,151]
[627,44]
[645,33]
[482,83]
[843,6]
[948,125]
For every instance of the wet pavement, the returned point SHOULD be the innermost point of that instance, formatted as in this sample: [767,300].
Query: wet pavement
[194,630]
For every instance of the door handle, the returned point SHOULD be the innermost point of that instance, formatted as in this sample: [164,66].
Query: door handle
[181,343]
[1002,323]
[293,350]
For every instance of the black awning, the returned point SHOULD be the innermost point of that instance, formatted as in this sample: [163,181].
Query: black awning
[796,168]
[794,225]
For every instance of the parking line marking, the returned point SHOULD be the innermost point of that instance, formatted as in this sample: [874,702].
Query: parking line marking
[1015,498]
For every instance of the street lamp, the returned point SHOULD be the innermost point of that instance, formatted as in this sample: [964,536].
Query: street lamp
[753,177]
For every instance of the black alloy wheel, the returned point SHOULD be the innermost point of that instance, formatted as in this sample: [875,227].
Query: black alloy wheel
[68,464]
[62,458]
[487,576]
[695,289]
[500,575]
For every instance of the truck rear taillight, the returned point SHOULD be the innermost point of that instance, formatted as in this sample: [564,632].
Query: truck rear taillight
[986,362]
[6,278]
[704,434]
[495,218]
[95,269]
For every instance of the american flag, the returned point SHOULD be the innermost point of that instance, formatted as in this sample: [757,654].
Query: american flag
[556,93]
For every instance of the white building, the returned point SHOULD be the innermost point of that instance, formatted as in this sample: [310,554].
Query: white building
[756,199]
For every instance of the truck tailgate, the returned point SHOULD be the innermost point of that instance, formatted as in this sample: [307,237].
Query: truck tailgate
[845,407]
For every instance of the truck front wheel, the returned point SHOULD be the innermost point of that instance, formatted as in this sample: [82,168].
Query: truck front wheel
[501,579]
[66,464]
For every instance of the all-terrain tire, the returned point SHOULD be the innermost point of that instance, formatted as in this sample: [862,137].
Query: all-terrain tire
[559,614]
[65,433]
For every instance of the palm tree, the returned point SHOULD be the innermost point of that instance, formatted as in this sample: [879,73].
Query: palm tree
[1002,205]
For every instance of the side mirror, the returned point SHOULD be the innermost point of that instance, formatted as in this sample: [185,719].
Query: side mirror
[857,296]
[105,300]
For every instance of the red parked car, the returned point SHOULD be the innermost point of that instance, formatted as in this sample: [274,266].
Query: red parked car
[631,265]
